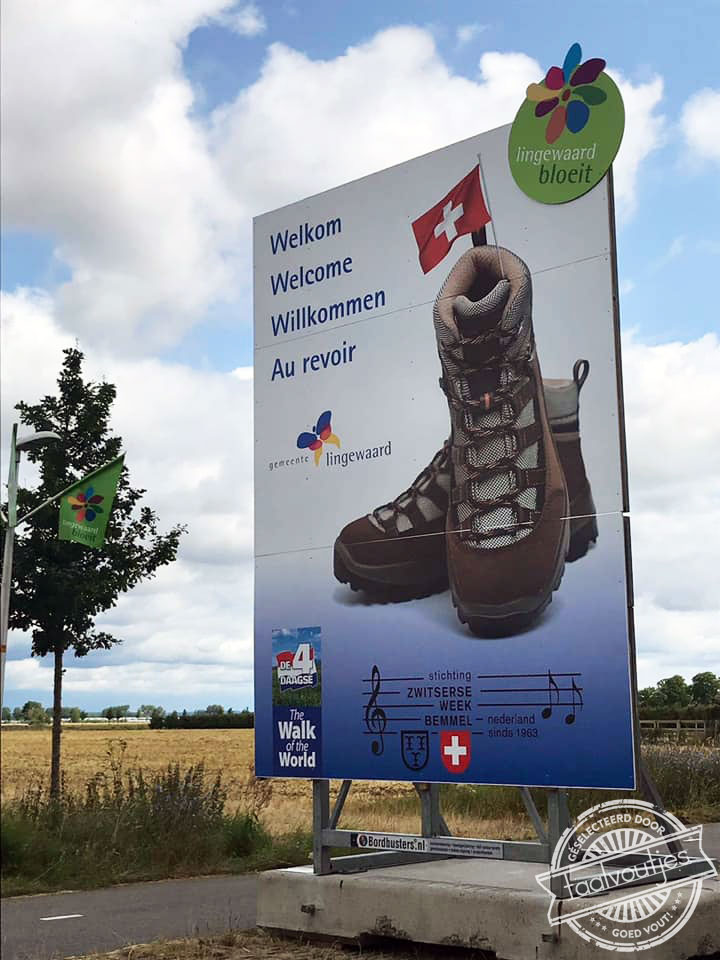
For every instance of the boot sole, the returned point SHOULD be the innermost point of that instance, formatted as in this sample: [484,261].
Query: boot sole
[389,583]
[514,617]
[583,533]
[583,525]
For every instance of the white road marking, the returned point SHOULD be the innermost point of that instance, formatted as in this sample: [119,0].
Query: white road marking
[67,916]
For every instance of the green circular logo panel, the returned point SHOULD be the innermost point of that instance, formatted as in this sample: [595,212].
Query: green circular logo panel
[567,132]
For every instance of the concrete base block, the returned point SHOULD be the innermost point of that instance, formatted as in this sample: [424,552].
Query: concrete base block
[491,905]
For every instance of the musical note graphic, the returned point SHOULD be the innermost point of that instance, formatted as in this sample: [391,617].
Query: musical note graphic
[552,685]
[570,718]
[375,716]
[558,690]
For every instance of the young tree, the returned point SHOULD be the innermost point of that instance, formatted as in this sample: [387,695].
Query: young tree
[59,587]
[674,691]
[31,706]
[17,713]
[649,697]
[75,715]
[705,687]
[148,709]
[6,715]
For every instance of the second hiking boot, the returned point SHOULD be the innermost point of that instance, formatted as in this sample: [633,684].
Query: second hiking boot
[563,405]
[507,528]
[384,553]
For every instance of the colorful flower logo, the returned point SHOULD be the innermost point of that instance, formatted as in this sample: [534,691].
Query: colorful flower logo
[567,94]
[321,433]
[86,505]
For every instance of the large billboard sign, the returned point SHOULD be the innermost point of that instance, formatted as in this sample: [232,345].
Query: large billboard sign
[441,587]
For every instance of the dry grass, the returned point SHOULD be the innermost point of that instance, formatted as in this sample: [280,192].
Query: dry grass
[256,945]
[370,805]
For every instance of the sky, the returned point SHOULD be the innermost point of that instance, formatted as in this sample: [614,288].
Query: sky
[138,142]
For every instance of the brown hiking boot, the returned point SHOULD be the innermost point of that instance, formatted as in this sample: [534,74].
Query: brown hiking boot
[507,528]
[409,569]
[397,552]
[563,405]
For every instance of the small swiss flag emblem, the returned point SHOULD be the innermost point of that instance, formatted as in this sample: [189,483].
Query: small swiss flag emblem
[462,210]
[455,750]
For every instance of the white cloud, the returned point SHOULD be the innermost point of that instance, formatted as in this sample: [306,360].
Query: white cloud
[150,207]
[198,610]
[100,150]
[356,101]
[247,20]
[674,462]
[700,123]
[676,249]
[644,132]
[188,441]
[138,678]
[468,32]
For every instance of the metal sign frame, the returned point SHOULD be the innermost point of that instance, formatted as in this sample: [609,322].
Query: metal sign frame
[327,834]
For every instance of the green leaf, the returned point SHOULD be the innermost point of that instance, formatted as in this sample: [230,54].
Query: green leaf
[591,95]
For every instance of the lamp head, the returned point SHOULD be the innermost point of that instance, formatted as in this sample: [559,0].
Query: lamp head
[23,443]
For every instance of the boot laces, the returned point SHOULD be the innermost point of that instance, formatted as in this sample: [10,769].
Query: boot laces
[504,480]
[440,463]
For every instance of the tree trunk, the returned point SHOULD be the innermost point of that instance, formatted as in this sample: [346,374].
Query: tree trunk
[57,722]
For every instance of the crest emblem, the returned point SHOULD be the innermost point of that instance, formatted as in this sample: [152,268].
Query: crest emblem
[455,750]
[415,748]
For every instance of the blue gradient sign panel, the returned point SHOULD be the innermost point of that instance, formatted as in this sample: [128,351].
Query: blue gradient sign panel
[441,591]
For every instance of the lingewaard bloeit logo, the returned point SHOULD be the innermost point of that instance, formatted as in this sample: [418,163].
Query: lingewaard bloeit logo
[567,132]
[85,511]
[86,506]
[321,433]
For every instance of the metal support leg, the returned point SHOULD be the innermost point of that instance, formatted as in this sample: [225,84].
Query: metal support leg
[649,791]
[432,821]
[426,818]
[558,822]
[534,815]
[339,803]
[321,821]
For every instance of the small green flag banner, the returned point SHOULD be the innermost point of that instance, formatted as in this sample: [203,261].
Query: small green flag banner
[85,508]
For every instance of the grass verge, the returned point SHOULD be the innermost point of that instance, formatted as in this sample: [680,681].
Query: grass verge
[245,944]
[127,826]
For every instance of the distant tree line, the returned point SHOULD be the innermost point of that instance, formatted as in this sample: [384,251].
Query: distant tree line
[673,697]
[213,716]
[35,713]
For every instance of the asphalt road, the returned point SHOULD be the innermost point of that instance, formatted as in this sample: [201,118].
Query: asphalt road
[132,913]
[73,924]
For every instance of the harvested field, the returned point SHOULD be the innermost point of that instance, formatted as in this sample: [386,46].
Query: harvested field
[371,805]
[688,777]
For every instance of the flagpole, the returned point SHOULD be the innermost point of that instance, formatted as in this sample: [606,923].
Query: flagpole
[483,185]
[8,556]
[67,489]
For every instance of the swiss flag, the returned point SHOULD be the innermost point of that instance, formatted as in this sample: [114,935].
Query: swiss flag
[455,750]
[461,211]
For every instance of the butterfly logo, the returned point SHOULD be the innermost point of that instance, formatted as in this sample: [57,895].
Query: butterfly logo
[321,433]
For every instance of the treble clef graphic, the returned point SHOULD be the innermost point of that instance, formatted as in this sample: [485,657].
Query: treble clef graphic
[375,717]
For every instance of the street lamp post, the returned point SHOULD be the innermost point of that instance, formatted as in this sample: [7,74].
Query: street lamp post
[16,448]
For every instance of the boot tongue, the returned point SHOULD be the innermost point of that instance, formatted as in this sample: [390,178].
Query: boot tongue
[474,317]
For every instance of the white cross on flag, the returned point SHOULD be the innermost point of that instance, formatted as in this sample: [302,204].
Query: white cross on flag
[461,211]
[455,750]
